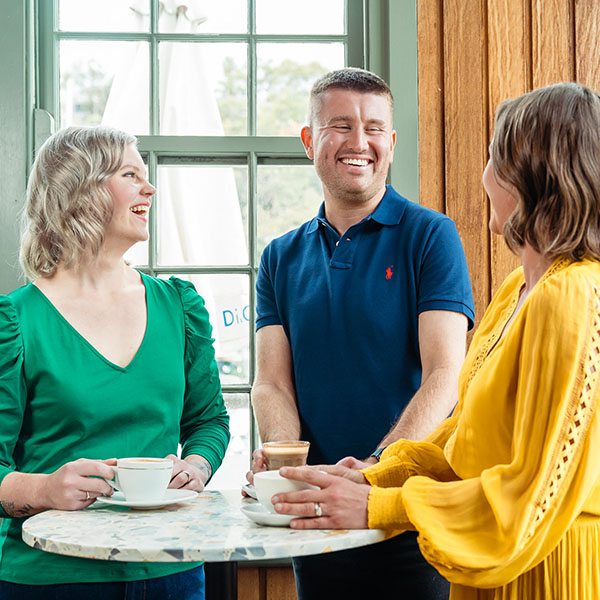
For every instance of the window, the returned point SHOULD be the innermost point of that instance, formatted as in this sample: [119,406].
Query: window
[216,93]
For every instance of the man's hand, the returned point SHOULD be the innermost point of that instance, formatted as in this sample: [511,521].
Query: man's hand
[259,463]
[353,475]
[353,463]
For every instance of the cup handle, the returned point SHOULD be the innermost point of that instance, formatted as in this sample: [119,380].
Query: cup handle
[114,483]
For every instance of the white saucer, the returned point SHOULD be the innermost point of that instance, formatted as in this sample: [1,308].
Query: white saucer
[259,514]
[249,489]
[170,497]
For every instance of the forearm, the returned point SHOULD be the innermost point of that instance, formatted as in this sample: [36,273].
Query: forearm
[22,494]
[276,412]
[207,437]
[432,403]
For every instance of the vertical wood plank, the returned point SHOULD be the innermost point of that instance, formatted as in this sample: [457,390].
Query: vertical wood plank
[587,49]
[431,104]
[281,584]
[509,71]
[251,583]
[465,123]
[553,48]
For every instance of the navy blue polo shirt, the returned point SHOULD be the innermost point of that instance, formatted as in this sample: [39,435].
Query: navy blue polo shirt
[349,306]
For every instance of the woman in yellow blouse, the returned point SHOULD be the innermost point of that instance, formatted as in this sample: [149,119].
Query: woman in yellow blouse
[505,494]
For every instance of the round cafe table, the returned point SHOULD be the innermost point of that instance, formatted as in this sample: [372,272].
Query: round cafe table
[209,528]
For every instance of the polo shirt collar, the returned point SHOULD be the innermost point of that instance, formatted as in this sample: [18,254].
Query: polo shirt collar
[389,211]
[391,208]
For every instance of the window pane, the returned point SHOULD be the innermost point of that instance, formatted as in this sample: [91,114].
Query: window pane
[231,473]
[104,83]
[287,197]
[137,255]
[306,17]
[107,15]
[224,16]
[202,89]
[202,215]
[286,73]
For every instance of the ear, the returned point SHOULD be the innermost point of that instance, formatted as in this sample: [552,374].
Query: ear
[392,145]
[307,139]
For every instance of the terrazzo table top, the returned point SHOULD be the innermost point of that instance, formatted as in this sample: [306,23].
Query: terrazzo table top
[208,528]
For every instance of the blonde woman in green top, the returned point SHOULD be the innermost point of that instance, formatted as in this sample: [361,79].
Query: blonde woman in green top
[97,360]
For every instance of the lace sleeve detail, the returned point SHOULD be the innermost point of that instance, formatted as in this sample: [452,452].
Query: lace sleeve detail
[577,420]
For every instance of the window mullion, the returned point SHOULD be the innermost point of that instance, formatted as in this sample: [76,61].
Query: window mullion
[252,69]
[153,217]
[47,77]
[154,74]
[355,31]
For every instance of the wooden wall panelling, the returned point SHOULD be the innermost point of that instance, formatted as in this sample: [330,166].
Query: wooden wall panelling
[281,584]
[431,104]
[465,124]
[251,583]
[509,75]
[552,38]
[266,583]
[587,38]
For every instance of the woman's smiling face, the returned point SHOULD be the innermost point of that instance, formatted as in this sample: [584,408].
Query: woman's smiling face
[132,196]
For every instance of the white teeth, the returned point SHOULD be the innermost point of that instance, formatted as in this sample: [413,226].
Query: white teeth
[139,209]
[359,162]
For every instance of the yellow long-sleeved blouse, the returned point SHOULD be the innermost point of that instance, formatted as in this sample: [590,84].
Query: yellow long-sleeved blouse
[494,489]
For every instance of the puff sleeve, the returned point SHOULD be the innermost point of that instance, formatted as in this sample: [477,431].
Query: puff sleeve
[13,393]
[204,422]
[488,528]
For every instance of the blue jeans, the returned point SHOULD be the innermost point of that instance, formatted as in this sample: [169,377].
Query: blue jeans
[394,568]
[187,585]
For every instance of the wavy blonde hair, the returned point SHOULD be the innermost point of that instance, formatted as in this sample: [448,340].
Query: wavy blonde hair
[547,147]
[68,205]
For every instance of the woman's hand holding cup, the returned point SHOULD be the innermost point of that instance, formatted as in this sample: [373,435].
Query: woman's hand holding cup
[76,484]
[189,474]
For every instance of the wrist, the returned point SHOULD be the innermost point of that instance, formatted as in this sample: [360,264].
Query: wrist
[202,465]
[40,491]
[376,455]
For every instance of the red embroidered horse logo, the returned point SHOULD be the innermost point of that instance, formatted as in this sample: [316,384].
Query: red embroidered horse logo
[389,272]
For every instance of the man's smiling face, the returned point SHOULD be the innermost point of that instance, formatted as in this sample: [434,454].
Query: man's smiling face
[351,141]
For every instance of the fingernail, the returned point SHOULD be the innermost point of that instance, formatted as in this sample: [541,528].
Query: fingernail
[283,470]
[274,500]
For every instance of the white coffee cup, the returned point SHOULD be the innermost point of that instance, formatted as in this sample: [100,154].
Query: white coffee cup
[269,483]
[141,478]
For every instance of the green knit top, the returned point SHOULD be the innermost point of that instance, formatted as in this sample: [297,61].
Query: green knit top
[61,400]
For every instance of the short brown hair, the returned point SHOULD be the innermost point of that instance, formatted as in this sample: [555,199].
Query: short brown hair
[546,145]
[350,78]
[68,205]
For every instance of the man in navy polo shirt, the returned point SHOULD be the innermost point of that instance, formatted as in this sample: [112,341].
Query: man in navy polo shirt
[362,320]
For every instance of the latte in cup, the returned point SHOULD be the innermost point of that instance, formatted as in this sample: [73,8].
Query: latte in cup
[142,478]
[289,453]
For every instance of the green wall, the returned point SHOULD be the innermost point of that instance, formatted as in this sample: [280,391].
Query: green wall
[15,110]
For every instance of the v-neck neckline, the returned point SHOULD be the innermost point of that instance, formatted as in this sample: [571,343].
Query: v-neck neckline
[87,343]
[497,335]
